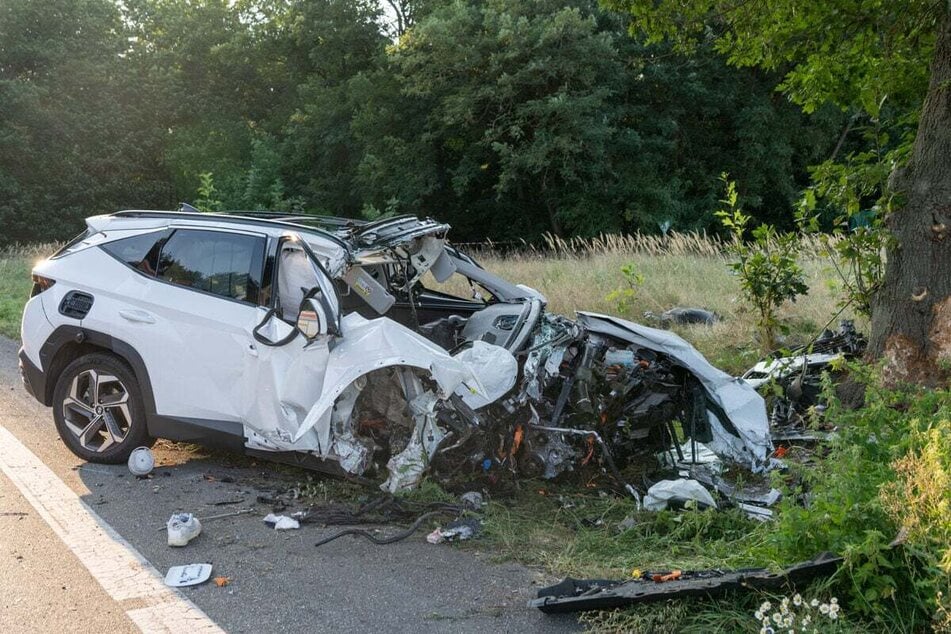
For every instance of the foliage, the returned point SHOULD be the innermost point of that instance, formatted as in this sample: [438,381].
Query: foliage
[623,298]
[894,587]
[767,267]
[855,237]
[919,501]
[507,119]
[207,194]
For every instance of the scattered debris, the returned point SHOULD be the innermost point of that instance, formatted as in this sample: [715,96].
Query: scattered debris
[684,316]
[458,530]
[141,462]
[189,575]
[626,524]
[182,528]
[281,522]
[574,595]
[472,500]
[392,539]
[679,493]
[799,378]
[228,502]
[211,517]
[221,582]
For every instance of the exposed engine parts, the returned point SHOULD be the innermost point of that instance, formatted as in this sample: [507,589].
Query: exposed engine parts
[793,383]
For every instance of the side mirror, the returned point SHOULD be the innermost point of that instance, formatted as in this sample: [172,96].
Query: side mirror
[273,331]
[315,319]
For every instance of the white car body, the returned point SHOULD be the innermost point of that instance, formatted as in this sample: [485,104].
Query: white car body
[219,355]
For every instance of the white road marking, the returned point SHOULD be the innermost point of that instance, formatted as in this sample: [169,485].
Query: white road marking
[118,567]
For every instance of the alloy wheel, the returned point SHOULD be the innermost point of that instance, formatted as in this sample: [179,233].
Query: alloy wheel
[96,410]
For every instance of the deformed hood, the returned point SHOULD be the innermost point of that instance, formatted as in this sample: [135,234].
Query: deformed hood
[745,436]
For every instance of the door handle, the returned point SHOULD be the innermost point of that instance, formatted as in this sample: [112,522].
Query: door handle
[137,315]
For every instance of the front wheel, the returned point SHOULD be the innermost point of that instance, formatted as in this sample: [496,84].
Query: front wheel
[98,409]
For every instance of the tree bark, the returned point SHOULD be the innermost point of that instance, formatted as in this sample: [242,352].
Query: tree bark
[911,313]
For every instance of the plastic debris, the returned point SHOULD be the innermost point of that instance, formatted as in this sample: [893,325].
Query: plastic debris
[189,575]
[472,500]
[457,530]
[575,595]
[281,522]
[141,462]
[626,524]
[661,494]
[182,528]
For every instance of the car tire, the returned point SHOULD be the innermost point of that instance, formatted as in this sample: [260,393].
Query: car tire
[98,409]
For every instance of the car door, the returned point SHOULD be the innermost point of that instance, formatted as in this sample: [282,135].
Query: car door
[289,376]
[195,322]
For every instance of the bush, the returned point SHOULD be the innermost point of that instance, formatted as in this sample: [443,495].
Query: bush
[879,477]
[767,268]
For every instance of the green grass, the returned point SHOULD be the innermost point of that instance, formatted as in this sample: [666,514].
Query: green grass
[15,265]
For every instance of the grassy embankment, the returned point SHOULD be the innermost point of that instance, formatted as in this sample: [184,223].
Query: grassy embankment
[15,265]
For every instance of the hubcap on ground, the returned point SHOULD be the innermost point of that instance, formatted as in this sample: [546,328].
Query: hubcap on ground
[97,410]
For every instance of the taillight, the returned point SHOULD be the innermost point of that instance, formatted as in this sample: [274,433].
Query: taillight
[40,284]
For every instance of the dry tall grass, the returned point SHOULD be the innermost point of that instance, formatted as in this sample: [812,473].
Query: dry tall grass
[681,269]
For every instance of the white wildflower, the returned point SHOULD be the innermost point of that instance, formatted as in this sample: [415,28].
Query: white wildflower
[814,603]
[824,608]
[797,599]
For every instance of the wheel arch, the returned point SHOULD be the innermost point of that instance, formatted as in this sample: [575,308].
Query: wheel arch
[68,343]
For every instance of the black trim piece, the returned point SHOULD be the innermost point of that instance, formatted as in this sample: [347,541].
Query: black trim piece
[577,595]
[76,304]
[66,335]
[33,378]
[274,344]
[219,434]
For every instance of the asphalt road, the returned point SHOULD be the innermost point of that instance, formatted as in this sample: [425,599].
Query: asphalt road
[279,580]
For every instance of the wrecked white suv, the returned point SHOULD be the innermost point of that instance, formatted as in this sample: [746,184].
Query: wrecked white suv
[370,349]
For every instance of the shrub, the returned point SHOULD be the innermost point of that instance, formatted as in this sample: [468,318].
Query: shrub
[876,478]
[767,268]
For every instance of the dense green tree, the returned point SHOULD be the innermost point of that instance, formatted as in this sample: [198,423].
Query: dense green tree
[861,55]
[510,119]
[74,138]
[506,118]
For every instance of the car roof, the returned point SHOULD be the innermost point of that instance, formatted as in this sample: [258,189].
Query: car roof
[272,224]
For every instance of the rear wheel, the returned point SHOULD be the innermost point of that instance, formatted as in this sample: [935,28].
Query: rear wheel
[97,406]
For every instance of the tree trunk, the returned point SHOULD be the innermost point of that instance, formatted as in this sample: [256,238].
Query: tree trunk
[911,313]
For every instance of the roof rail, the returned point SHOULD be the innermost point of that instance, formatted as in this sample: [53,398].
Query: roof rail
[330,221]
[232,218]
